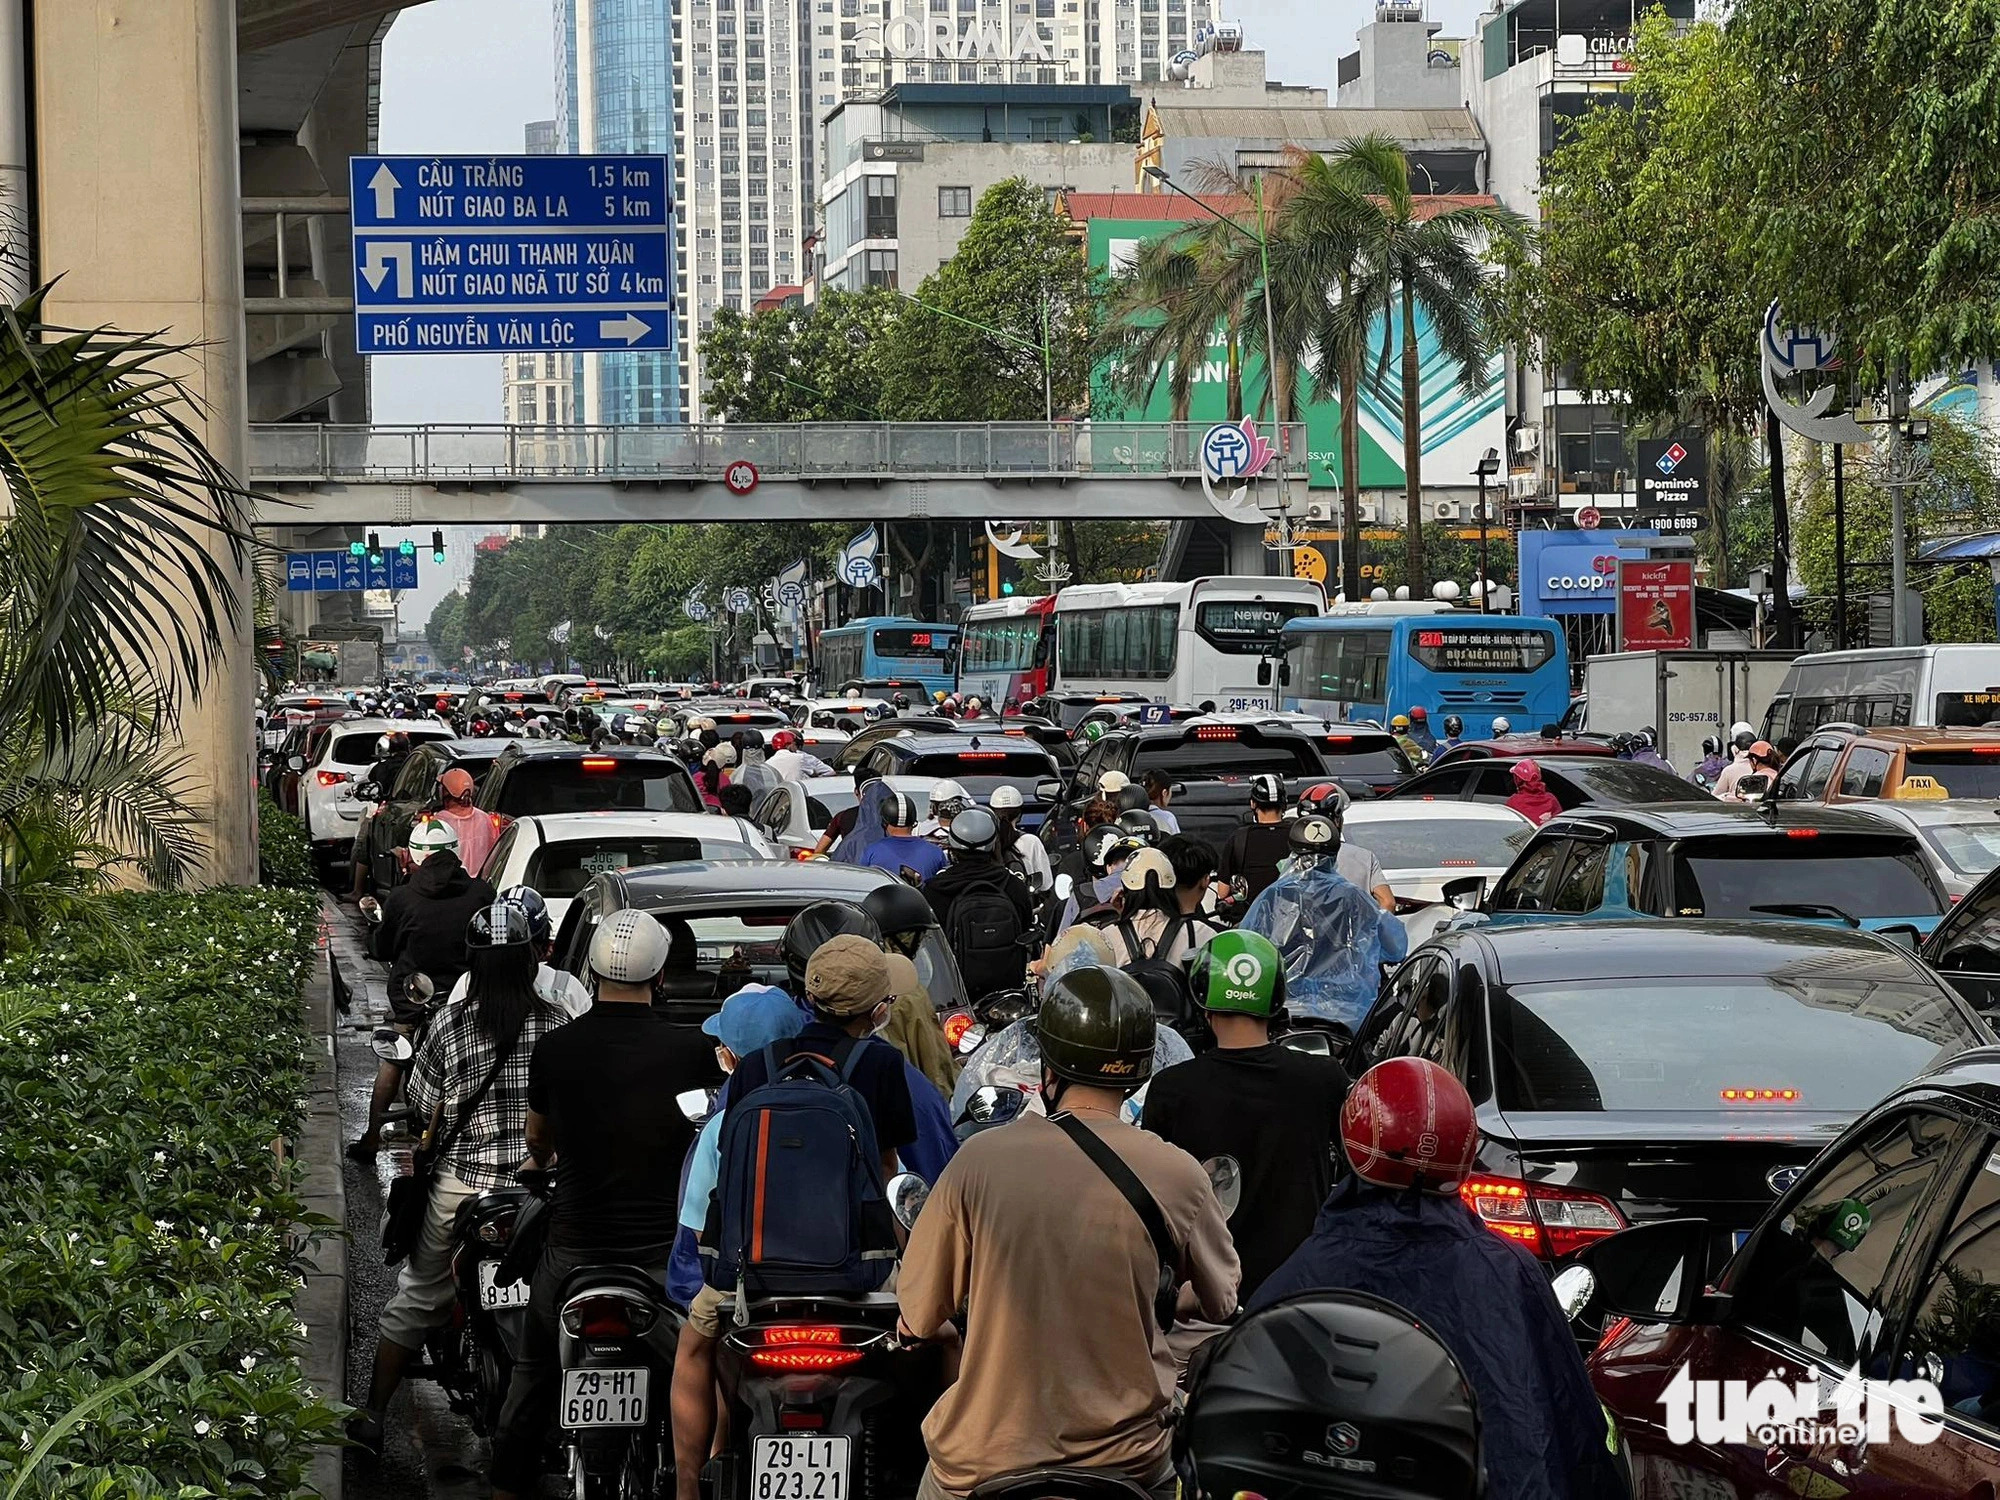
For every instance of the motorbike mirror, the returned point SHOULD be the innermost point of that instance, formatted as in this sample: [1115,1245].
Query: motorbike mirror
[368,791]
[969,1040]
[296,763]
[1313,1043]
[419,988]
[392,1046]
[907,1192]
[1754,788]
[693,1103]
[1065,886]
[1574,1288]
[1467,893]
[1264,672]
[1225,1179]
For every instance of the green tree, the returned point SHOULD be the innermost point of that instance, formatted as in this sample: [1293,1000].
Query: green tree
[970,346]
[822,363]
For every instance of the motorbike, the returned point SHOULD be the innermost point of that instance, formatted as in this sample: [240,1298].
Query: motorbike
[616,1339]
[472,1357]
[825,1399]
[394,1044]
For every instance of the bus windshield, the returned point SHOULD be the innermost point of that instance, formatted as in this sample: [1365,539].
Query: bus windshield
[1477,667]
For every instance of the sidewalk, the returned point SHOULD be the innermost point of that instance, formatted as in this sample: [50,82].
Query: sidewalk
[322,1305]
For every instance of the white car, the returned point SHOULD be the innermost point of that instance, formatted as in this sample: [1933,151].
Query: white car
[558,853]
[326,787]
[1422,845]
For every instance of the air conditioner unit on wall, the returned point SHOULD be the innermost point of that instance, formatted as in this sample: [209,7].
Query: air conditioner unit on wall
[1527,437]
[1446,510]
[1524,486]
[1371,512]
[1323,512]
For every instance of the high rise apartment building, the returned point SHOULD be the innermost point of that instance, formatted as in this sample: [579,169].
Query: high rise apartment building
[538,390]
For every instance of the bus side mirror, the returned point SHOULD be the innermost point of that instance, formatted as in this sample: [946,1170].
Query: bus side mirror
[1285,673]
[1264,672]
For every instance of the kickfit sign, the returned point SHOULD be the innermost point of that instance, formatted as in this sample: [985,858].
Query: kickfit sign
[1802,1415]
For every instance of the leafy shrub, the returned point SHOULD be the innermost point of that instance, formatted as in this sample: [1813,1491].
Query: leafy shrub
[284,855]
[144,1084]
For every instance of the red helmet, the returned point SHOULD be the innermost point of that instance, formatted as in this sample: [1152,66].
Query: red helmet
[1407,1121]
[784,739]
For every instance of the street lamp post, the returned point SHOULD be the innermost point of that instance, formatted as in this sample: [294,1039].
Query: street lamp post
[1489,466]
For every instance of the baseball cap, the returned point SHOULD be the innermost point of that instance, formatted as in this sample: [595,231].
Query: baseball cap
[1004,798]
[847,975]
[457,782]
[903,976]
[1112,782]
[753,1018]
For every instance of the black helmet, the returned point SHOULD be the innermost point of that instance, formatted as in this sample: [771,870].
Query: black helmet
[1454,726]
[1711,745]
[899,811]
[1131,798]
[1100,843]
[901,700]
[502,924]
[902,913]
[1315,836]
[1744,739]
[1393,1399]
[1138,825]
[814,926]
[975,828]
[1096,1027]
[530,901]
[1267,789]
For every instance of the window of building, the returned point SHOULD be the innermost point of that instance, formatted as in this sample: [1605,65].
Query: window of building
[732,234]
[954,203]
[826,98]
[732,281]
[760,234]
[1046,128]
[725,72]
[881,223]
[882,268]
[1149,50]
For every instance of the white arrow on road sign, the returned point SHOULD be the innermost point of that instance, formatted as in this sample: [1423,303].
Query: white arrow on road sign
[384,184]
[381,256]
[629,328]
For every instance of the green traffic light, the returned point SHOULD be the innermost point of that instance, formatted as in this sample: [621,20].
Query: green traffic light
[438,558]
[407,547]
[1006,585]
[356,549]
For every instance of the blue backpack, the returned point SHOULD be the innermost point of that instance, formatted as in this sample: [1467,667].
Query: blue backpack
[799,1205]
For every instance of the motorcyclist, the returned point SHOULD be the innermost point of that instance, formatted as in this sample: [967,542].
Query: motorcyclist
[1502,725]
[1398,1229]
[1399,726]
[1420,730]
[899,851]
[1022,849]
[1330,799]
[1711,764]
[790,761]
[1249,861]
[563,990]
[1333,936]
[601,1091]
[1027,1233]
[1454,733]
[974,841]
[1743,742]
[1646,751]
[1160,790]
[419,929]
[477,831]
[1150,922]
[391,750]
[1762,759]
[1273,1111]
[479,1051]
[948,799]
[1531,798]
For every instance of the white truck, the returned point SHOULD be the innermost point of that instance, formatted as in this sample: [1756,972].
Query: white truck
[1685,695]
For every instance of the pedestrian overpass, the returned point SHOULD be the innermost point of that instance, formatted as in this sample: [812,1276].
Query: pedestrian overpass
[824,471]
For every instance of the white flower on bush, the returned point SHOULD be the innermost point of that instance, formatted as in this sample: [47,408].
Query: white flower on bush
[249,1363]
[201,1428]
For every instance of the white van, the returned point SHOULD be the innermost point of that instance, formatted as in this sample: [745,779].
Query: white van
[1893,685]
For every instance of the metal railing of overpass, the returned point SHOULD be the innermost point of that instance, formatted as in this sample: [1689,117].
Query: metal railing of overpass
[805,471]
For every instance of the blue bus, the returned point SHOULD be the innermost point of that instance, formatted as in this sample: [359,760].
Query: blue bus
[884,652]
[1368,665]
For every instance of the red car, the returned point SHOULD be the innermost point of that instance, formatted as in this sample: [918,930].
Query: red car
[1883,1256]
[1518,747]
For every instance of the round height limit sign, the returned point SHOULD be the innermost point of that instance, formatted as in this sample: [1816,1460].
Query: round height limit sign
[740,477]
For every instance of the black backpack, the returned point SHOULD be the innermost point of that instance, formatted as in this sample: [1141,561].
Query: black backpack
[1163,979]
[984,930]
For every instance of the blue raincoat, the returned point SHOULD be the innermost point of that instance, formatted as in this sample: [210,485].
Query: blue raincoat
[1543,1433]
[1334,939]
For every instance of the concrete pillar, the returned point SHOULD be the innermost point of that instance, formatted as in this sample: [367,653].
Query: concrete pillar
[138,191]
[1247,557]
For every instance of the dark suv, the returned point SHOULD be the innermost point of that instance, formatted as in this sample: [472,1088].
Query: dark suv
[981,763]
[414,792]
[542,776]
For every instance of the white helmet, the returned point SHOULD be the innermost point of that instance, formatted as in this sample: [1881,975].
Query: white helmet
[951,797]
[1739,727]
[628,947]
[1501,726]
[431,836]
[1004,799]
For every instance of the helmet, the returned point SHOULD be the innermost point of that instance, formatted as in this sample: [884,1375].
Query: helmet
[1395,1398]
[385,746]
[1625,744]
[1005,799]
[1762,750]
[500,925]
[1092,731]
[431,836]
[1239,973]
[629,947]
[1407,1122]
[530,901]
[901,700]
[1138,825]
[1711,745]
[784,739]
[1649,737]
[1102,844]
[1502,726]
[975,828]
[1327,797]
[1147,867]
[1096,1027]
[1314,836]
[1401,721]
[902,914]
[1266,789]
[1740,728]
[1131,799]
[939,696]
[817,924]
[1454,726]
[1419,713]
[1743,739]
[948,800]
[899,811]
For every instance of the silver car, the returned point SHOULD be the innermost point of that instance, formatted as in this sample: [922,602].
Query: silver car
[1960,836]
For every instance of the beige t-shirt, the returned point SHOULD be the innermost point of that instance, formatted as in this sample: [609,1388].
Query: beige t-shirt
[1064,1362]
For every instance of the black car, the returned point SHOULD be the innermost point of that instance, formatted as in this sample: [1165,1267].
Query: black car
[727,921]
[1965,946]
[1576,781]
[864,740]
[981,763]
[1635,1070]
[414,793]
[1068,710]
[1213,758]
[547,776]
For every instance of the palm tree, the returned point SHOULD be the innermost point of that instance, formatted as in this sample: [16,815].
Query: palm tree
[121,540]
[1435,261]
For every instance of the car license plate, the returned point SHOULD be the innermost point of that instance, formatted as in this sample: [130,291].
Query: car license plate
[798,1468]
[604,1398]
[492,1294]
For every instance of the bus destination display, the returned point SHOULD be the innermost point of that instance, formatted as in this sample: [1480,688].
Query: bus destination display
[1498,650]
[894,642]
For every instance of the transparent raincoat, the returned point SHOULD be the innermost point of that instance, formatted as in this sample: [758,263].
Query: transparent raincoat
[868,824]
[1334,939]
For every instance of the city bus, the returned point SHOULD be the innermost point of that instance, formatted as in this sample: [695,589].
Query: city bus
[1370,666]
[1210,641]
[1007,649]
[887,649]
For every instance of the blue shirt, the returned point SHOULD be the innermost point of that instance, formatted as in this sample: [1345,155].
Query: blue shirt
[896,852]
[936,1140]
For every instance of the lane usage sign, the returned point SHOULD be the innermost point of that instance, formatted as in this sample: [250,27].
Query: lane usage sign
[511,254]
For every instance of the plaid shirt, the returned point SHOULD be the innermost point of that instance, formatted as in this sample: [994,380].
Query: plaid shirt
[457,1056]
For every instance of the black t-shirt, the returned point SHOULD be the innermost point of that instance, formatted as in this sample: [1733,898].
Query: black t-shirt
[878,1078]
[1278,1113]
[1252,855]
[607,1082]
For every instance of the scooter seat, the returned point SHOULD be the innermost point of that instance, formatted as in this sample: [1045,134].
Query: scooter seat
[623,1277]
[1068,1484]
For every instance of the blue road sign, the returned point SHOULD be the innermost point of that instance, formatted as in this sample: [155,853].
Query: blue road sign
[378,572]
[403,571]
[342,572]
[326,571]
[520,254]
[353,574]
[299,572]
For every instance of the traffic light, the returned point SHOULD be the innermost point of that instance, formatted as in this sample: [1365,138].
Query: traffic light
[407,547]
[437,547]
[375,546]
[1007,574]
[355,549]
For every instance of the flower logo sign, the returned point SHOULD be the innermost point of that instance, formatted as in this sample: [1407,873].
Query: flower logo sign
[1233,453]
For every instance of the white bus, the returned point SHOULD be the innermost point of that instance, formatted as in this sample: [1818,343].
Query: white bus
[1927,686]
[1211,641]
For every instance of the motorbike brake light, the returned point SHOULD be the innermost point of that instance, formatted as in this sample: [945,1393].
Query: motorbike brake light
[331,778]
[608,1317]
[793,1420]
[1552,1222]
[955,1026]
[804,1346]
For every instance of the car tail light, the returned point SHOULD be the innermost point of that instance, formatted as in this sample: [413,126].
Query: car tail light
[332,778]
[1214,732]
[802,854]
[1801,833]
[955,1026]
[804,1346]
[598,762]
[965,755]
[1340,739]
[1612,1330]
[1550,1221]
[609,1317]
[1760,1096]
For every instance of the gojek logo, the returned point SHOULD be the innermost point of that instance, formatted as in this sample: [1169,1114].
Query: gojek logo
[1669,461]
[1734,1411]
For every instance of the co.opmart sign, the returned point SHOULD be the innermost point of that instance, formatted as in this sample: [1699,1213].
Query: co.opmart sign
[1578,572]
